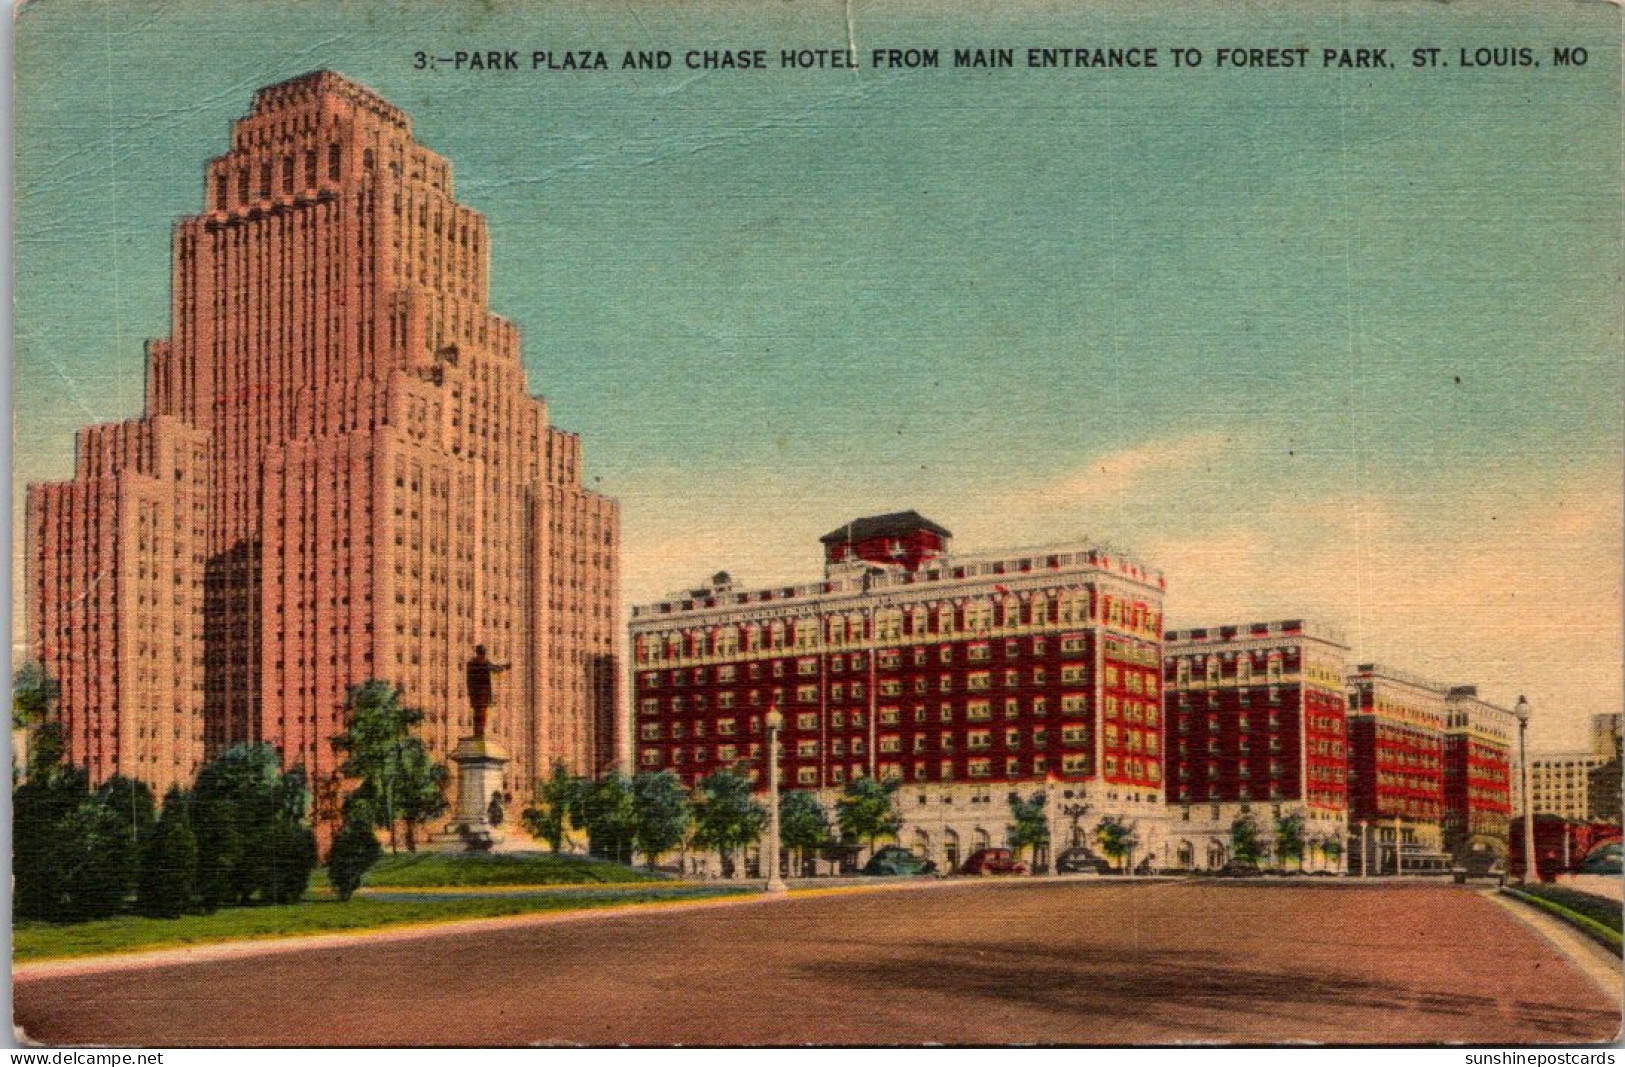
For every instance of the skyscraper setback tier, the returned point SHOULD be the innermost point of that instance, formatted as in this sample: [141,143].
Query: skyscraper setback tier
[341,475]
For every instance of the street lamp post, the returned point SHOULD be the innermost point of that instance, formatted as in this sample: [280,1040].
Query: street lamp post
[1521,710]
[1363,850]
[775,882]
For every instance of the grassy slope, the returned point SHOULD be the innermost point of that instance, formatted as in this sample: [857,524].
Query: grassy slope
[520,868]
[1599,910]
[35,941]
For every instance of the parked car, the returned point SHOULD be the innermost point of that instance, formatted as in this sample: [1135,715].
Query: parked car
[993,861]
[896,860]
[1081,861]
[1238,869]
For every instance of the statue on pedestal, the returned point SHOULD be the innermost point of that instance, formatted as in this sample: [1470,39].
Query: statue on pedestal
[480,671]
[478,817]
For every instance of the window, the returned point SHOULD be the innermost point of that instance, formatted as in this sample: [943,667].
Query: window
[807,776]
[807,721]
[807,694]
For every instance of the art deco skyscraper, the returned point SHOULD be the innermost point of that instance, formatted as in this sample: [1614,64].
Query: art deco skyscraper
[341,475]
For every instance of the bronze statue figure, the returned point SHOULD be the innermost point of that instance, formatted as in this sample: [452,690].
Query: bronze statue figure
[480,670]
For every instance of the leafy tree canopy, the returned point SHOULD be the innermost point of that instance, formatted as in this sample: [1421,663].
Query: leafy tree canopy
[868,810]
[662,814]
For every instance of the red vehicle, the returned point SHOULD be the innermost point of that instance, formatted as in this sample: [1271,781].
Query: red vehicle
[992,861]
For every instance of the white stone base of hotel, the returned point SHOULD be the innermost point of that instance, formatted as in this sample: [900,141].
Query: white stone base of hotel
[1199,836]
[948,823]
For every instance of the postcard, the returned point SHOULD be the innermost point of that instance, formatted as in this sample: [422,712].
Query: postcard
[980,524]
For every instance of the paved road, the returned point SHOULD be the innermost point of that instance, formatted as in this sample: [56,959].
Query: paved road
[1091,963]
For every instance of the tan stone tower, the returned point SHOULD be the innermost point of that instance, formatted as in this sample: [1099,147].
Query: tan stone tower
[341,475]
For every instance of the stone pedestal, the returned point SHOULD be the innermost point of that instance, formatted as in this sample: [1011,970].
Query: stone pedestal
[479,774]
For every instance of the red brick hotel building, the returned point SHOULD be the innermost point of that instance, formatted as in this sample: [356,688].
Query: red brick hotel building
[1256,726]
[963,677]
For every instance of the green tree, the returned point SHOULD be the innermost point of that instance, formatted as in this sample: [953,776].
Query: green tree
[377,735]
[1116,838]
[1246,840]
[250,822]
[609,815]
[557,798]
[33,696]
[168,881]
[803,823]
[661,814]
[1331,846]
[867,811]
[48,851]
[74,849]
[726,816]
[421,788]
[1030,827]
[130,816]
[355,849]
[1289,838]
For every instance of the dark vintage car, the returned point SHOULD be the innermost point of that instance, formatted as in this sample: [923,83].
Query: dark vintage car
[993,861]
[1238,869]
[1081,861]
[895,860]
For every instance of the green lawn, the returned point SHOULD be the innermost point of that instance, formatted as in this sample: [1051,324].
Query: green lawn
[1599,910]
[38,941]
[496,869]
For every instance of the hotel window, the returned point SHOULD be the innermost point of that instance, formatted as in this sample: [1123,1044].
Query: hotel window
[1075,765]
[1012,738]
[807,721]
[807,776]
[807,747]
[979,768]
[979,740]
[1012,708]
[888,716]
[725,727]
[980,680]
[979,710]
[649,731]
[1073,645]
[807,694]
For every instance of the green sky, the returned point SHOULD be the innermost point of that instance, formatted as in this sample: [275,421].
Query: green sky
[1344,344]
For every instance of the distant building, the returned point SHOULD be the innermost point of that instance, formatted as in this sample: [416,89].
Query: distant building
[341,475]
[1560,783]
[964,678]
[1256,727]
[1605,735]
[1396,768]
